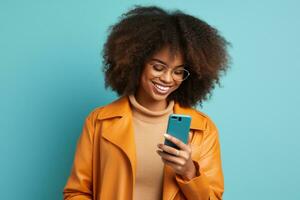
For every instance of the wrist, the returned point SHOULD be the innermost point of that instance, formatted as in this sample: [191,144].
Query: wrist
[192,173]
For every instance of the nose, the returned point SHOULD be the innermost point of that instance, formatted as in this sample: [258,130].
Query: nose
[166,77]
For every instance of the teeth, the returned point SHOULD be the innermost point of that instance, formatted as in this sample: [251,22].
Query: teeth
[162,88]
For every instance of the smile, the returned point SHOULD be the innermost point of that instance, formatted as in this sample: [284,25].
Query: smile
[161,89]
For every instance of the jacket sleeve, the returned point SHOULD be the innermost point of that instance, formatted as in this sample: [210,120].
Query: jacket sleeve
[209,181]
[79,184]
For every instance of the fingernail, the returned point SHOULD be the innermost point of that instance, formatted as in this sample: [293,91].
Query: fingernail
[166,135]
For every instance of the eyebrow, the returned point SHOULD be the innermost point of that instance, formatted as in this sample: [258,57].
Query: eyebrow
[162,62]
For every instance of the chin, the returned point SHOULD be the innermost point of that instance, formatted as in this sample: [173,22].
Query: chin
[159,97]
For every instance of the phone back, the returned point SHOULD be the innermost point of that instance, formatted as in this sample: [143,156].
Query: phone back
[179,127]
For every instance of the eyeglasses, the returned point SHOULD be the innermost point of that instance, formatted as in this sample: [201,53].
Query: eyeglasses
[178,74]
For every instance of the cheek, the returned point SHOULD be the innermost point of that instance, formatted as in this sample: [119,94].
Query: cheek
[176,87]
[145,82]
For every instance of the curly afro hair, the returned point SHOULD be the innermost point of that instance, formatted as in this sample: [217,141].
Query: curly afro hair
[142,31]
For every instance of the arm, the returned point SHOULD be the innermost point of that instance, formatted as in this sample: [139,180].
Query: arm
[79,184]
[208,182]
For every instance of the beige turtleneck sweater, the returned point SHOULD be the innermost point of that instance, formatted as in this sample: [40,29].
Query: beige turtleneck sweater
[149,127]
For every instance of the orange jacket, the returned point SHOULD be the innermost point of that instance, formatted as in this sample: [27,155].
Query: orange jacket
[105,161]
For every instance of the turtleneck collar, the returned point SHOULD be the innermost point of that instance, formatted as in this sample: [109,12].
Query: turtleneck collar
[142,113]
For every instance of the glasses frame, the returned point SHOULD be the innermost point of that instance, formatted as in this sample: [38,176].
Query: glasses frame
[166,70]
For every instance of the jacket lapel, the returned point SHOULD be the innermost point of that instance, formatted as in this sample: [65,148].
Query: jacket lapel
[120,129]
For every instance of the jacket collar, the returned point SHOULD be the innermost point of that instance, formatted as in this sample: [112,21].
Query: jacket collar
[121,108]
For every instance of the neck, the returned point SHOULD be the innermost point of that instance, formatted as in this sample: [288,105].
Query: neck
[150,104]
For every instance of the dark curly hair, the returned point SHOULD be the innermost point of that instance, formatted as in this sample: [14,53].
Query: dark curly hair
[142,31]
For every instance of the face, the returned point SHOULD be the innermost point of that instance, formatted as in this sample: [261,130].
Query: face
[157,79]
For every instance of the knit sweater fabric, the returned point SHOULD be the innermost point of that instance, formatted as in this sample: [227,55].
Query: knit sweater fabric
[149,127]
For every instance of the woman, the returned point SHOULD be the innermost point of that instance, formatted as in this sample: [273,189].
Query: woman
[159,63]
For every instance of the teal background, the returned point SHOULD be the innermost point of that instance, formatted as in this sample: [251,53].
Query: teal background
[50,79]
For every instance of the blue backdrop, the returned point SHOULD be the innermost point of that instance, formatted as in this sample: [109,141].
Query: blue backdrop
[51,78]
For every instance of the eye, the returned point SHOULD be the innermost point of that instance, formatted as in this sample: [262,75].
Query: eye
[158,67]
[179,71]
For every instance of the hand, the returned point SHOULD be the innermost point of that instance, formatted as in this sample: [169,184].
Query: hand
[180,160]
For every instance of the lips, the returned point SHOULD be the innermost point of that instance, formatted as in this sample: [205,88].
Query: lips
[161,89]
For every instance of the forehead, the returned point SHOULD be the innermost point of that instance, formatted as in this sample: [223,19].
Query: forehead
[165,55]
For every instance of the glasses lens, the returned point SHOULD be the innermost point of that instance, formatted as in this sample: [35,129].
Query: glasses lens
[180,74]
[158,70]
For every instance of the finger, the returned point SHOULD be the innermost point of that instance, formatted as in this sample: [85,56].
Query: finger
[171,158]
[176,141]
[168,149]
[172,151]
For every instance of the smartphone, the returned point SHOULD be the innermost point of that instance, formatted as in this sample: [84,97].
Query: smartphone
[179,127]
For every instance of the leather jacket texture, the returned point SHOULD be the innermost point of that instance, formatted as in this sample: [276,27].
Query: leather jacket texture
[105,161]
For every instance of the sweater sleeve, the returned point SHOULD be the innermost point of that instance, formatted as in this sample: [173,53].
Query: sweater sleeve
[209,182]
[79,184]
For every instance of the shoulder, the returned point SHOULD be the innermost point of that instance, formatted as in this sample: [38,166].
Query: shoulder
[209,122]
[209,135]
[116,108]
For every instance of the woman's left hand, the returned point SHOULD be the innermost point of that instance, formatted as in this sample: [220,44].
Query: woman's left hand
[180,160]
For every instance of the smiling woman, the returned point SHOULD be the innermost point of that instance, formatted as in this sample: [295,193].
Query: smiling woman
[159,63]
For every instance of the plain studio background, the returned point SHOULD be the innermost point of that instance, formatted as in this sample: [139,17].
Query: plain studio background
[51,78]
